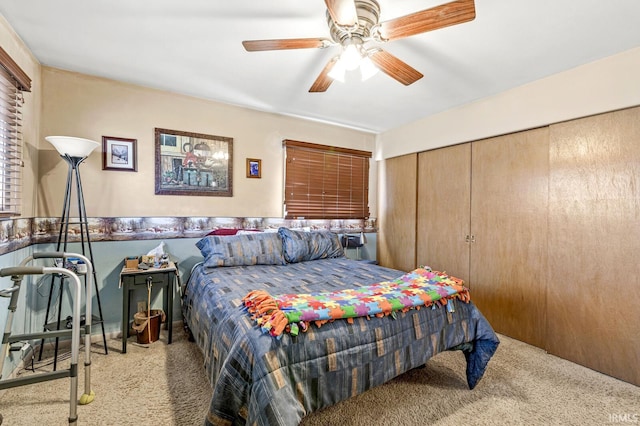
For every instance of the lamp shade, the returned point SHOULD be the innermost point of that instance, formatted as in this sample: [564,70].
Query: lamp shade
[71,146]
[367,68]
[338,71]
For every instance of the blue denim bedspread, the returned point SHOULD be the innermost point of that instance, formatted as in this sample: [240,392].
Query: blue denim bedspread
[260,380]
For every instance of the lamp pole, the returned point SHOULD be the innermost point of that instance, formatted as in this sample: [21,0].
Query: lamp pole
[74,151]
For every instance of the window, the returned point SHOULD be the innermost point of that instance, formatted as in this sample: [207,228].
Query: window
[13,81]
[325,182]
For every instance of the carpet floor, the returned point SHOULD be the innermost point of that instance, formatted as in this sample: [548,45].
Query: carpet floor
[166,385]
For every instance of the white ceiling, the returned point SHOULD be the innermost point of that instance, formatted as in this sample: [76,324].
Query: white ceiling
[194,47]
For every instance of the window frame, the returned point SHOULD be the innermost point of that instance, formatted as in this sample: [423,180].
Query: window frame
[14,82]
[343,191]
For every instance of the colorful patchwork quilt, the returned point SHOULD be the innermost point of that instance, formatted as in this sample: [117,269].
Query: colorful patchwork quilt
[290,313]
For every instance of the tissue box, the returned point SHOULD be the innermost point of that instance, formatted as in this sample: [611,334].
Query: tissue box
[131,262]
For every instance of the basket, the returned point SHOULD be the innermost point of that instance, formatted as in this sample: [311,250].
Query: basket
[148,327]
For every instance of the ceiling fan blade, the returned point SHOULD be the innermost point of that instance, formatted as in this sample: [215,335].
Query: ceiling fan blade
[395,68]
[445,15]
[283,44]
[343,12]
[323,81]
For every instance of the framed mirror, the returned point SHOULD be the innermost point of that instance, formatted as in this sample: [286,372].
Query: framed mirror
[193,164]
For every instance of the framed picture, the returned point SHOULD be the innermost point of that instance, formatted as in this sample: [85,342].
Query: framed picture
[119,154]
[193,164]
[254,168]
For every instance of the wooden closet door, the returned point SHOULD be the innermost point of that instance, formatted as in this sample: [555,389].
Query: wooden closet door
[397,212]
[509,206]
[444,197]
[594,241]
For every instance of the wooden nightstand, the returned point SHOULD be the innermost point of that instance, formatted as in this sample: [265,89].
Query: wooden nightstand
[133,279]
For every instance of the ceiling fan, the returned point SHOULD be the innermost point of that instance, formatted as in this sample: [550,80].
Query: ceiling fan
[355,26]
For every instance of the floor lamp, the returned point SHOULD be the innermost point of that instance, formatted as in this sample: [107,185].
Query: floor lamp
[74,151]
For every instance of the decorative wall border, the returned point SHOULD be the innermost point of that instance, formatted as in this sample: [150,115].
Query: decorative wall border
[15,234]
[20,233]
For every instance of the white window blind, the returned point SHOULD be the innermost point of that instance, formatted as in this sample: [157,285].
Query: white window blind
[13,81]
[325,182]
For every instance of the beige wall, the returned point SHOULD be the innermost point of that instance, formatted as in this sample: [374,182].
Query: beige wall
[605,85]
[14,46]
[89,107]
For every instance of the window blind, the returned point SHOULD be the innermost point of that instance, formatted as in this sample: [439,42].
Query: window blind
[325,182]
[13,81]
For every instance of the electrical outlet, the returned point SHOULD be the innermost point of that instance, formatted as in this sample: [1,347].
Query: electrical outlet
[22,348]
[142,306]
[26,353]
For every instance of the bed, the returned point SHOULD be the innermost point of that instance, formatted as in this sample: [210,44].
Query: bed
[261,379]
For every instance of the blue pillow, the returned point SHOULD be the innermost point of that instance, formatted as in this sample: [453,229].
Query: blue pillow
[258,248]
[299,246]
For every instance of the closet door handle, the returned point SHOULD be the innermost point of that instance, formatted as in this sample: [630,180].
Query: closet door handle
[473,238]
[467,239]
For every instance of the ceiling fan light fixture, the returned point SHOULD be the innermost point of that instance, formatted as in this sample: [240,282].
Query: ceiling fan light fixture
[367,68]
[351,57]
[338,71]
[356,23]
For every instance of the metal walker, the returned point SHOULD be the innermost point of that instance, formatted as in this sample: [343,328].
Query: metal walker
[16,273]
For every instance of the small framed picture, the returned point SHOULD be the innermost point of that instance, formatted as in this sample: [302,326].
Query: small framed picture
[254,168]
[119,154]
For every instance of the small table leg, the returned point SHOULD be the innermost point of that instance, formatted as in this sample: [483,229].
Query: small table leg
[125,317]
[169,291]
